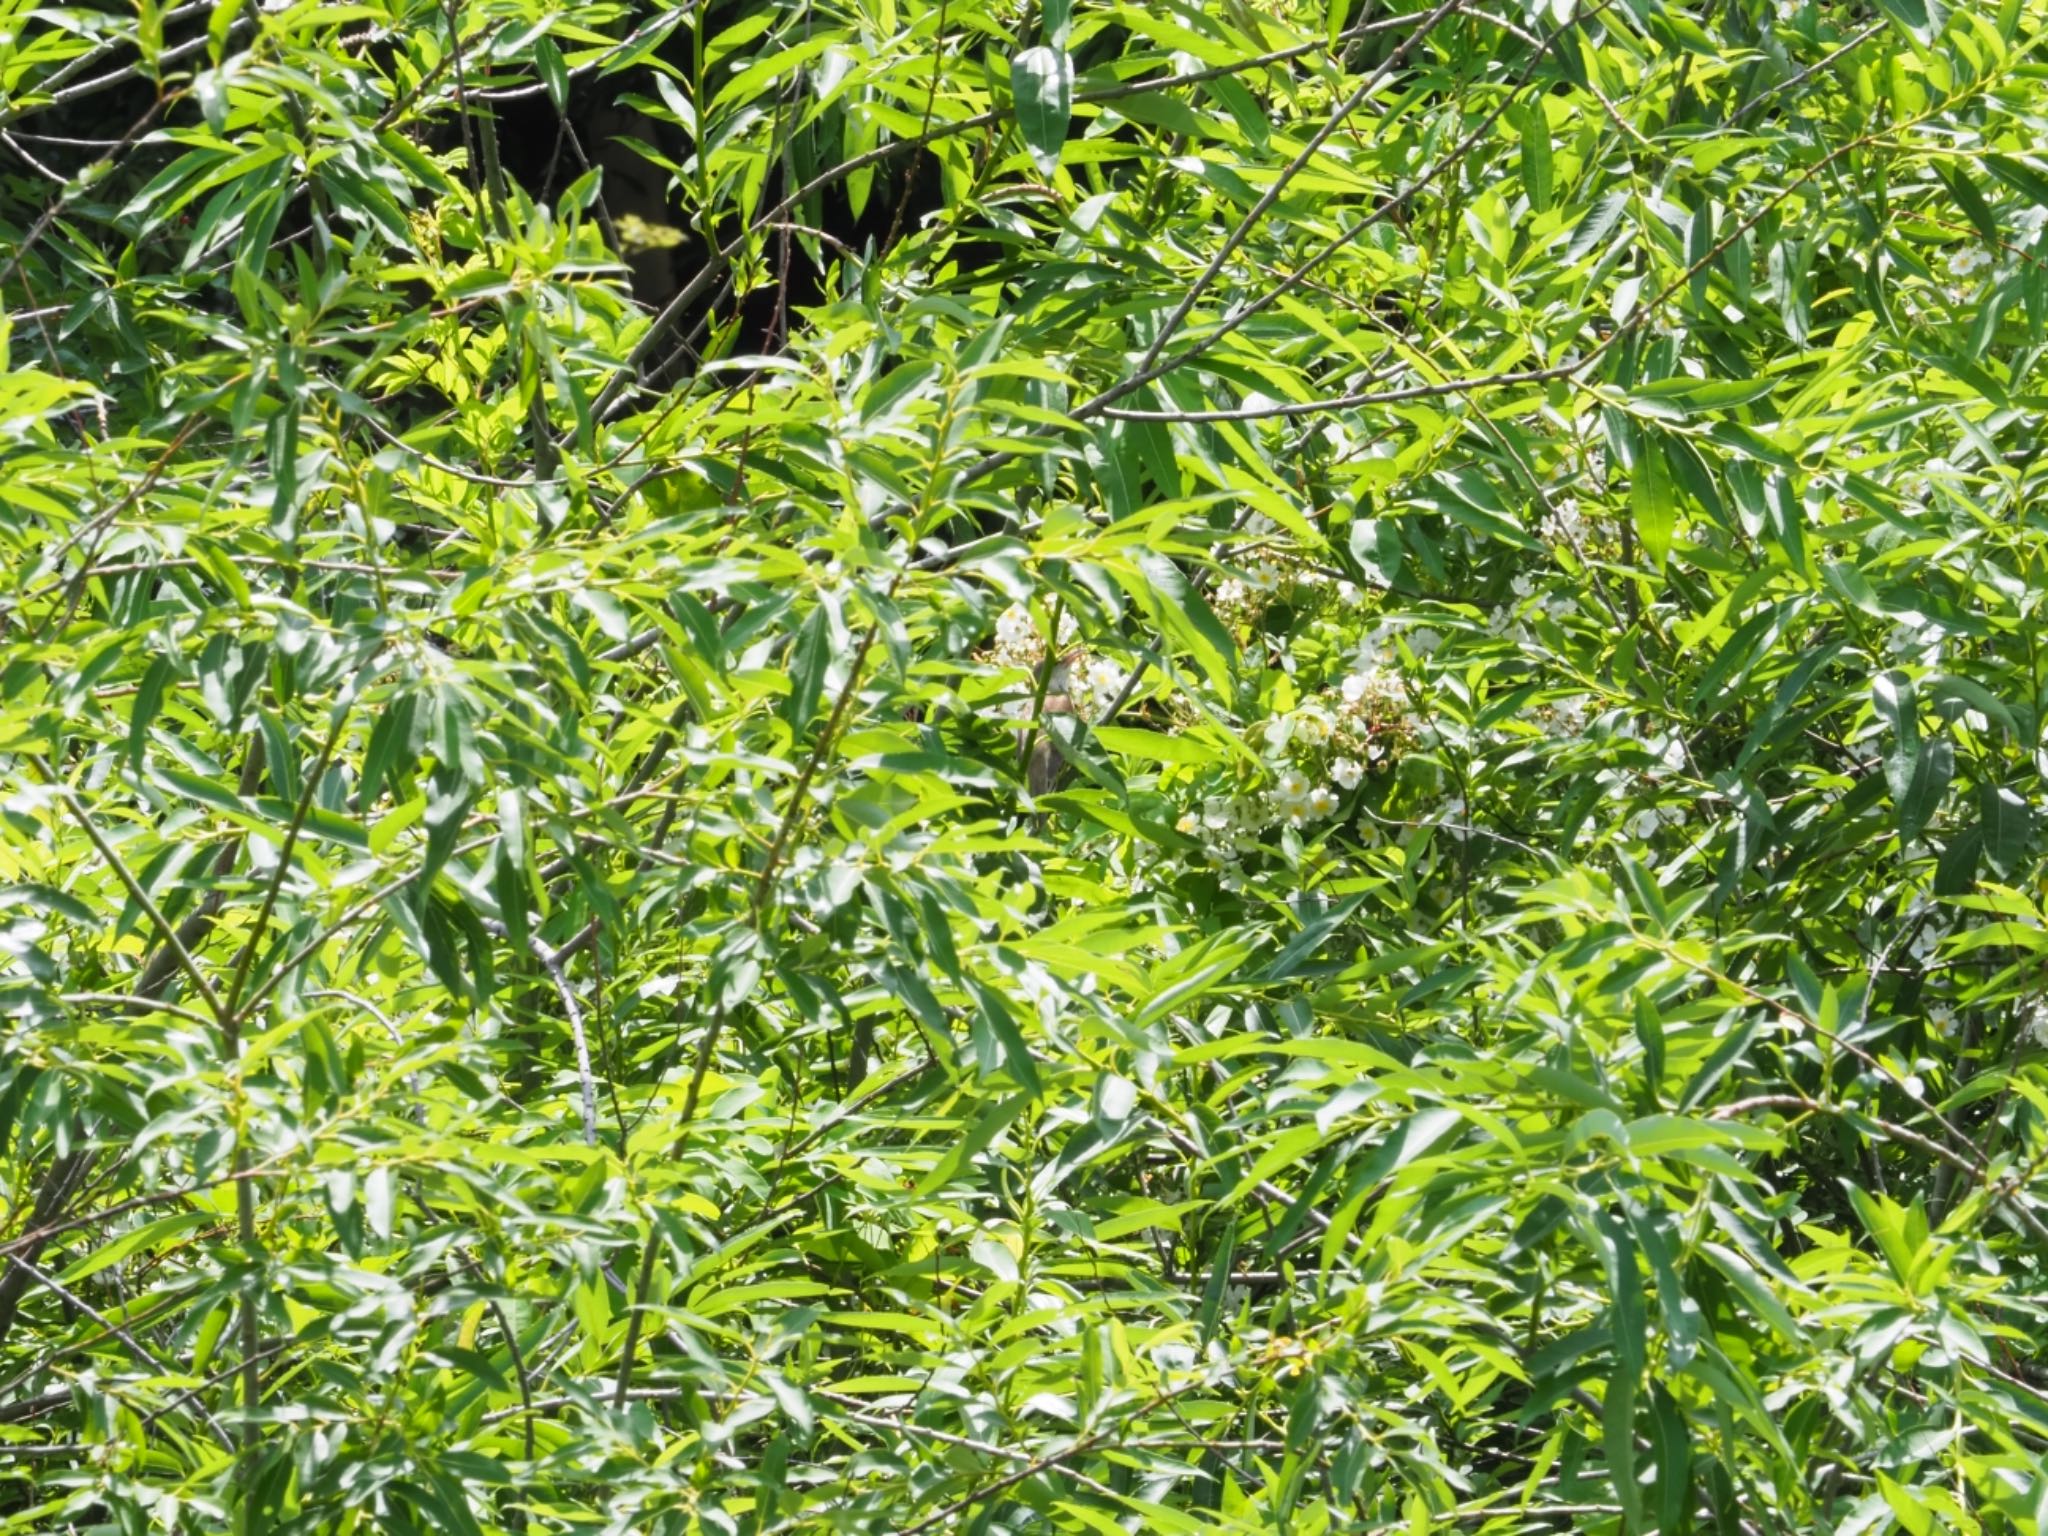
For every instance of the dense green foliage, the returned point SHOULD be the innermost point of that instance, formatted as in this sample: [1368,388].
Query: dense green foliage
[1270,768]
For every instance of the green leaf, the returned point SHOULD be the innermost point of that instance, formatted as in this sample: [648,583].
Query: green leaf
[1042,82]
[1532,133]
[1157,746]
[809,659]
[2008,828]
[1187,616]
[1618,1441]
[1959,185]
[1628,1319]
[2020,176]
[1314,934]
[1683,395]
[1652,503]
[1933,766]
[1671,1447]
[993,1014]
[554,71]
[1893,696]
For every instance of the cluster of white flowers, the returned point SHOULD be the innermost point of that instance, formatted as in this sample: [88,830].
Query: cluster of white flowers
[1090,683]
[1238,599]
[1229,826]
[1507,619]
[1369,684]
[1564,523]
[1297,800]
[1319,752]
[1374,696]
[1093,685]
[1376,702]
[1018,643]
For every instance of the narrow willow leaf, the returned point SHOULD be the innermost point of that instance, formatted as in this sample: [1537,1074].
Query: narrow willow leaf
[2008,827]
[1651,501]
[1042,83]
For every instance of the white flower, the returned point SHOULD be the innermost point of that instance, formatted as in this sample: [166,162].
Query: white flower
[1231,593]
[1264,576]
[1322,801]
[1348,594]
[1370,685]
[1563,523]
[1788,11]
[1915,639]
[1424,641]
[1099,685]
[1454,818]
[1312,726]
[1290,791]
[1941,1018]
[1347,772]
[1188,825]
[1644,824]
[1967,259]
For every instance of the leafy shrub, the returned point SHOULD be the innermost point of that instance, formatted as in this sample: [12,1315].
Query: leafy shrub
[1170,768]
